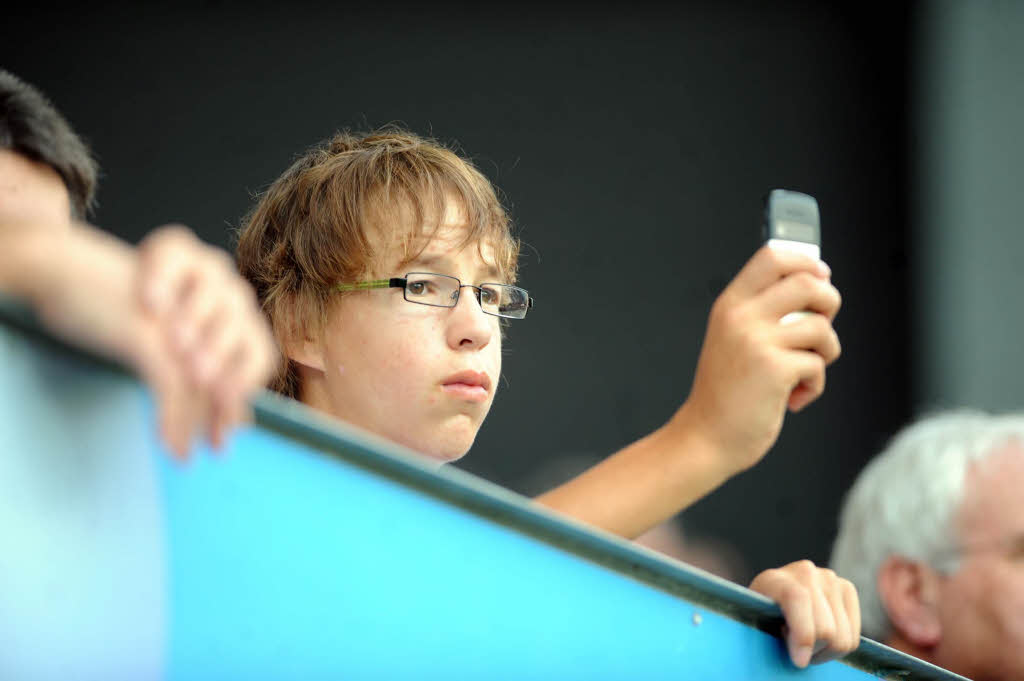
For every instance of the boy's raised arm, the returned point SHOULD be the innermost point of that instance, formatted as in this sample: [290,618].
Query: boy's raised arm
[751,369]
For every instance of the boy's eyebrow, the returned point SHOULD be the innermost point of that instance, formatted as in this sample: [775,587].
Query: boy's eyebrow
[424,260]
[490,272]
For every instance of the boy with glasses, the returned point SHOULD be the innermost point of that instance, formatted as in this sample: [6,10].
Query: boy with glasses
[362,254]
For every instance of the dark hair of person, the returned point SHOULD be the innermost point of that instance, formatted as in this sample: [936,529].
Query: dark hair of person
[32,127]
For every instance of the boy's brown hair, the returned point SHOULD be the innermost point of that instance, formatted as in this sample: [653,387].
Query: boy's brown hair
[312,228]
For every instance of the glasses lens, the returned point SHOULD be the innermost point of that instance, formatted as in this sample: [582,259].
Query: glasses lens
[504,300]
[431,289]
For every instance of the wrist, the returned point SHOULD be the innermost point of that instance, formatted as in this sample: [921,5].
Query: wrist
[706,441]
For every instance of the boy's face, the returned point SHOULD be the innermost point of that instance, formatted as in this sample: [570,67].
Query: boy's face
[421,376]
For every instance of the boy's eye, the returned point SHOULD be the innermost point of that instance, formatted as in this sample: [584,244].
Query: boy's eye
[417,288]
[489,295]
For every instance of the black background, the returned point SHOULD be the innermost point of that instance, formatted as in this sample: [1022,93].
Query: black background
[633,144]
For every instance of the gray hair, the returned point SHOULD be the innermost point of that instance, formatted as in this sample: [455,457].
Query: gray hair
[905,501]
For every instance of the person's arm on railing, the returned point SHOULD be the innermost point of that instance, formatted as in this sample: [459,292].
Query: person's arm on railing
[173,310]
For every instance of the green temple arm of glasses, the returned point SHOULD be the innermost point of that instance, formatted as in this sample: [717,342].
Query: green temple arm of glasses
[394,282]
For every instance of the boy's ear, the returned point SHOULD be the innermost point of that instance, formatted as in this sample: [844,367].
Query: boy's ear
[301,349]
[307,353]
[909,593]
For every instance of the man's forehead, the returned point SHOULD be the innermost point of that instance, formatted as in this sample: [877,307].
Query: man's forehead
[993,501]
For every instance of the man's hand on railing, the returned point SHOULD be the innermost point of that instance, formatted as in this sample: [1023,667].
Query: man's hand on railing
[821,609]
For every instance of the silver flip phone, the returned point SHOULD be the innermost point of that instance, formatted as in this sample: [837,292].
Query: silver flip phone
[792,222]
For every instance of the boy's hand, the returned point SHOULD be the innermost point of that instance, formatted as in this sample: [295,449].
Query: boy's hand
[821,609]
[752,367]
[206,346]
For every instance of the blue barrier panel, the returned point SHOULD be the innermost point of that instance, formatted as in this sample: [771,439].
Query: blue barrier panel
[313,551]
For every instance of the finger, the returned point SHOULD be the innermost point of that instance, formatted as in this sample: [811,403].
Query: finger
[800,291]
[221,339]
[221,422]
[852,603]
[198,312]
[165,259]
[247,371]
[769,265]
[182,417]
[811,332]
[230,393]
[830,648]
[260,359]
[807,378]
[824,617]
[174,401]
[794,600]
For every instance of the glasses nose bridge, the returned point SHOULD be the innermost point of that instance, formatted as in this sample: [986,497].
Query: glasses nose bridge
[457,294]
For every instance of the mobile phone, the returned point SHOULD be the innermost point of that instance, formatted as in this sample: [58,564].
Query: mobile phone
[792,222]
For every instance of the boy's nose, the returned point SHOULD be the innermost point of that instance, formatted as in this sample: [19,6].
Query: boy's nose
[469,324]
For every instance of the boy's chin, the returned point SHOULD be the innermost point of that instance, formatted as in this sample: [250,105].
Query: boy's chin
[436,461]
[449,447]
[447,452]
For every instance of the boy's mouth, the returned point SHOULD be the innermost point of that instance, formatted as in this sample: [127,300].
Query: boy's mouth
[473,386]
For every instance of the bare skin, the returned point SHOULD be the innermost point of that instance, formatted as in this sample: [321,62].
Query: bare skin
[174,310]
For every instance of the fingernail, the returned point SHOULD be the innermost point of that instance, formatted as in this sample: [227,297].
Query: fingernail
[826,271]
[802,656]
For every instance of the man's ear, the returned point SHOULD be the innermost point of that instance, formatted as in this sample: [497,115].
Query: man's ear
[909,593]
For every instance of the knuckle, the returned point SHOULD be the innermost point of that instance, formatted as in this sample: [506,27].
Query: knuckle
[806,279]
[819,388]
[770,575]
[805,567]
[727,315]
[217,262]
[794,592]
[819,371]
[223,260]
[826,631]
[773,257]
[804,635]
[722,306]
[837,347]
[173,233]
